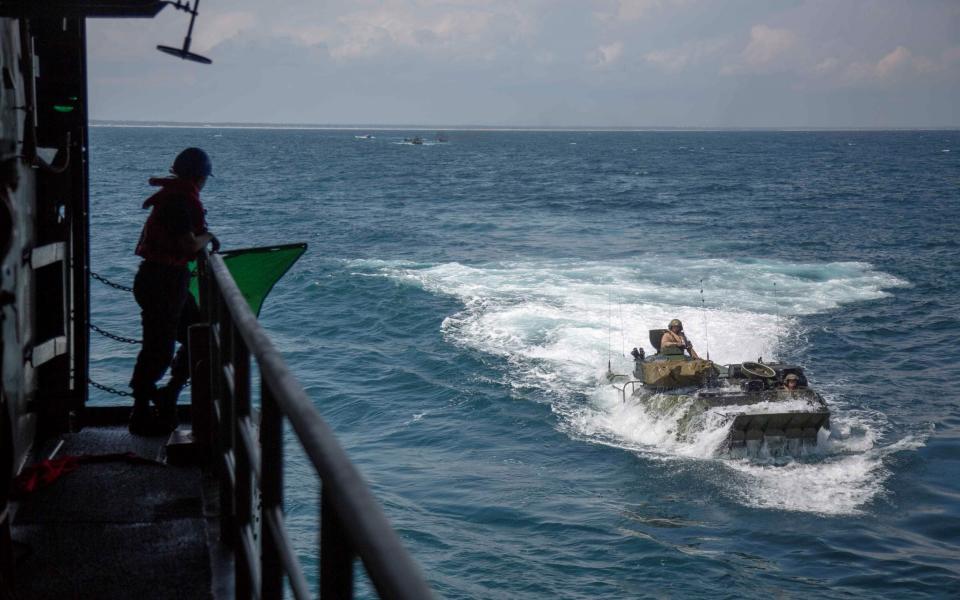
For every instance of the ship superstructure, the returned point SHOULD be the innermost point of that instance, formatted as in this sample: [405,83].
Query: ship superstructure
[83,499]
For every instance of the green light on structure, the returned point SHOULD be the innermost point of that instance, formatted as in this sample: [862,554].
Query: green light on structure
[62,108]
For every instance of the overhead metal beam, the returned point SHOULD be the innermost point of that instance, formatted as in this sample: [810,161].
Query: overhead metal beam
[35,9]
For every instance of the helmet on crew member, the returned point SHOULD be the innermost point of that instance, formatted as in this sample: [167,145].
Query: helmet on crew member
[791,377]
[192,162]
[677,323]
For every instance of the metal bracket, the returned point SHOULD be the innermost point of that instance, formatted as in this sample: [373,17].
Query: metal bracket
[80,8]
[46,351]
[45,255]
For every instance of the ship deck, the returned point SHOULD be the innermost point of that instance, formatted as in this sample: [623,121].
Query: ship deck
[116,527]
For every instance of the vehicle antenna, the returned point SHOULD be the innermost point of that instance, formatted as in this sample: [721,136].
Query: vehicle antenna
[776,303]
[623,339]
[609,327]
[703,310]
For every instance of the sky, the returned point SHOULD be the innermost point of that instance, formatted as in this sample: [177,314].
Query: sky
[538,63]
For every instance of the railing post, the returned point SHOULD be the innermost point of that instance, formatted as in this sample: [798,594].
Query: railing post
[336,556]
[201,409]
[226,438]
[352,524]
[271,467]
[243,492]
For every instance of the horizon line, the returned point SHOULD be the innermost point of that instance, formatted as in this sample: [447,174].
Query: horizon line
[465,127]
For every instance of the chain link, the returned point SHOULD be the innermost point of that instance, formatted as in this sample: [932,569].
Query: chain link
[114,336]
[107,388]
[103,279]
[110,390]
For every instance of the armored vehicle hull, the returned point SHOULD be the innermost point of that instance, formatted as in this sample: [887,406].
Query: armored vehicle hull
[770,414]
[763,408]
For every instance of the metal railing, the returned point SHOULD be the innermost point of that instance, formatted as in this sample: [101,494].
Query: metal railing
[250,459]
[633,383]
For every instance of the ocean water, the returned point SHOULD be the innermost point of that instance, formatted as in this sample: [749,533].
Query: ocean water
[456,311]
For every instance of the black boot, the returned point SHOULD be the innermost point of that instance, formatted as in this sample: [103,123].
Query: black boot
[141,417]
[166,400]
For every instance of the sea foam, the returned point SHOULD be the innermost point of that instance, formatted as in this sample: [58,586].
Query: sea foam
[559,323]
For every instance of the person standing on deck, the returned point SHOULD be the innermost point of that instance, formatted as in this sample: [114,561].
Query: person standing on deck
[174,233]
[675,338]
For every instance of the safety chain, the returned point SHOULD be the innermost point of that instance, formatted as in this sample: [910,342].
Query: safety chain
[126,340]
[110,390]
[107,388]
[114,336]
[103,279]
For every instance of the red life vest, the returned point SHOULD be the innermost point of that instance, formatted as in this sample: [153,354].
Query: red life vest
[157,244]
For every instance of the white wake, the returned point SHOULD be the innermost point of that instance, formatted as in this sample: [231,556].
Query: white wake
[557,323]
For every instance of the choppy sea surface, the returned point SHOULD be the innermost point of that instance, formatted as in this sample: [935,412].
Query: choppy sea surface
[459,303]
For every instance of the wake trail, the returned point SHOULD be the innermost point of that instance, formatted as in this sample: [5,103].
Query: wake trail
[551,322]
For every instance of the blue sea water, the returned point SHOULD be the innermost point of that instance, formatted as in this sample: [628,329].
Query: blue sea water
[455,313]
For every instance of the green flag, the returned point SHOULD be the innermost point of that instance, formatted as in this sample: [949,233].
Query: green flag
[256,270]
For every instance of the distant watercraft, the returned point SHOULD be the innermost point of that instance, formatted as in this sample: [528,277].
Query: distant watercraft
[368,136]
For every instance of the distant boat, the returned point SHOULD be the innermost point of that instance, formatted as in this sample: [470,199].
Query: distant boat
[416,140]
[368,136]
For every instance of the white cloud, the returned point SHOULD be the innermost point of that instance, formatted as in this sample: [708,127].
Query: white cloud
[607,55]
[457,29]
[897,61]
[510,60]
[675,60]
[898,64]
[632,10]
[827,66]
[767,45]
[769,50]
[620,11]
[222,27]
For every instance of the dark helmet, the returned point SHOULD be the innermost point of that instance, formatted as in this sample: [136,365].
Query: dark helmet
[676,322]
[192,162]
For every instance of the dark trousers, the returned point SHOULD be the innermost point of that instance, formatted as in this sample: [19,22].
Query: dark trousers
[167,309]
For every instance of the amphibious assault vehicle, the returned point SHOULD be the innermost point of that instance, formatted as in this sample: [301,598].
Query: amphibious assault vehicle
[669,379]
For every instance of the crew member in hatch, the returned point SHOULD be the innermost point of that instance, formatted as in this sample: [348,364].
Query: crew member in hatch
[791,382]
[173,235]
[674,339]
